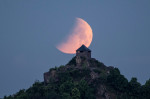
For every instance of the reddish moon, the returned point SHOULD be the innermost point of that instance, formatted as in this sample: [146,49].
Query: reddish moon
[80,34]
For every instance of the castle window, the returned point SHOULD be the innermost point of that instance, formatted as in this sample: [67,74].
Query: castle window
[81,51]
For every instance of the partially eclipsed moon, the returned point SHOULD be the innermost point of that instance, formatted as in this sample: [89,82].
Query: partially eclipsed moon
[81,34]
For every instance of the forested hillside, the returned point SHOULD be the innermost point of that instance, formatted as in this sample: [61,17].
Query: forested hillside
[90,80]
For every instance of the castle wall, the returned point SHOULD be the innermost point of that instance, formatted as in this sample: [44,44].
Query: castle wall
[85,54]
[46,77]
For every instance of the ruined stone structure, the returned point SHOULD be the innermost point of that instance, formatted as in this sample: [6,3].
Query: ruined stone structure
[82,52]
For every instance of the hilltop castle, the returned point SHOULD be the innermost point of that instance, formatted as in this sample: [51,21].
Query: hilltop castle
[81,53]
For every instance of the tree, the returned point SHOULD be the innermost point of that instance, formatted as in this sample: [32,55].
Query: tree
[75,93]
[146,90]
[117,81]
[66,96]
[66,87]
[134,87]
[86,92]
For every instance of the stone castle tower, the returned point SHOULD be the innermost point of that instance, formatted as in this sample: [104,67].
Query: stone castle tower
[82,52]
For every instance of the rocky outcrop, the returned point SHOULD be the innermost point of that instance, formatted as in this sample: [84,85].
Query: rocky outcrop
[103,93]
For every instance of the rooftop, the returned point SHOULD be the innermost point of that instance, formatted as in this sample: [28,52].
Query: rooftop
[83,48]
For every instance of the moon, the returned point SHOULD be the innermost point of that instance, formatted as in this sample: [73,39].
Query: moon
[80,34]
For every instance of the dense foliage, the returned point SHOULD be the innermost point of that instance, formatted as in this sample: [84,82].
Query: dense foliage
[66,88]
[76,83]
[125,89]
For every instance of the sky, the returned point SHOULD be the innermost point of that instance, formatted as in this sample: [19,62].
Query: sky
[31,29]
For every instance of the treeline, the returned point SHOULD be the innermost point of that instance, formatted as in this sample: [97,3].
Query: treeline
[65,88]
[74,84]
[128,90]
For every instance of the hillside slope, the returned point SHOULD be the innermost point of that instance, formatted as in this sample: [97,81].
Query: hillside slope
[87,79]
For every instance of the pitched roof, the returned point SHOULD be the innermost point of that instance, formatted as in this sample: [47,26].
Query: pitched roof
[83,48]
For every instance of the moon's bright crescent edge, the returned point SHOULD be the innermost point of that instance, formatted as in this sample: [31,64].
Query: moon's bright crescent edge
[81,34]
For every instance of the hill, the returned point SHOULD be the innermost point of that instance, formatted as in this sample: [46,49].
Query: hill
[88,79]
